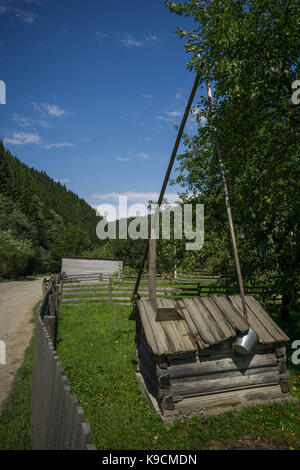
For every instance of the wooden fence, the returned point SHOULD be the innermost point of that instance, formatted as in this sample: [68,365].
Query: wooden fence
[57,420]
[97,287]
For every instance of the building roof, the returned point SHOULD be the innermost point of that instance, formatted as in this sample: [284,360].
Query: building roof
[206,321]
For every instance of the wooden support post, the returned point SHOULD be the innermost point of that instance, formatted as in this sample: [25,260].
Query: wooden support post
[59,295]
[52,305]
[56,294]
[110,290]
[154,229]
[50,325]
[152,268]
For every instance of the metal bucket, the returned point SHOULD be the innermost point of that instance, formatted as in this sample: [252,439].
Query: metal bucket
[245,342]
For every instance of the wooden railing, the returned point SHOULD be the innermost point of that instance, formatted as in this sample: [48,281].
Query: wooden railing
[96,287]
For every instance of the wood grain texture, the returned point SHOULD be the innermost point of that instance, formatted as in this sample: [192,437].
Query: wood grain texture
[206,385]
[232,314]
[149,333]
[202,328]
[255,322]
[197,368]
[220,318]
[206,322]
[248,395]
[272,327]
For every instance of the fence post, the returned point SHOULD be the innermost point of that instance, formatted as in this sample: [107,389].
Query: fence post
[52,305]
[44,286]
[110,290]
[199,289]
[50,325]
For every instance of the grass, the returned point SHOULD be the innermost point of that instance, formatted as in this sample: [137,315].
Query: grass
[101,374]
[15,419]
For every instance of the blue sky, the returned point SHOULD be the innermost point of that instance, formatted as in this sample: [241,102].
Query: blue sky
[94,88]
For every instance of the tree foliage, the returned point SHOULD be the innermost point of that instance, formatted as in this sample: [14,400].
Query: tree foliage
[250,50]
[40,220]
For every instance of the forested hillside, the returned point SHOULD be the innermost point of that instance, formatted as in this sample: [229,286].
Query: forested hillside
[40,220]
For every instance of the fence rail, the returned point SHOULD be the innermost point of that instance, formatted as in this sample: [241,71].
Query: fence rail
[98,287]
[82,288]
[57,420]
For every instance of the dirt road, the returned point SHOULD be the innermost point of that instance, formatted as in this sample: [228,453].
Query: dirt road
[16,302]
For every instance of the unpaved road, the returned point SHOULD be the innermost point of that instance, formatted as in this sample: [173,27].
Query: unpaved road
[16,302]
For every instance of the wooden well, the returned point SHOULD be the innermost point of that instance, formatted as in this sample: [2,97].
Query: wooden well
[186,362]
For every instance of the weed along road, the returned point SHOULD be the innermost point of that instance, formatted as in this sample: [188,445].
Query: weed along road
[17,300]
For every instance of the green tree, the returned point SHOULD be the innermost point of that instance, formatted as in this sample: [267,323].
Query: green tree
[14,254]
[250,50]
[36,209]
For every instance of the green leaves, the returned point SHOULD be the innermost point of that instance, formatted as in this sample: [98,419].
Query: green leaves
[251,51]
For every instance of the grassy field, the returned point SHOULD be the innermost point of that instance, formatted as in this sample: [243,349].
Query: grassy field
[100,369]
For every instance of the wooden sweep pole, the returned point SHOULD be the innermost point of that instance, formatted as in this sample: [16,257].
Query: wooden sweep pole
[166,179]
[227,203]
[152,267]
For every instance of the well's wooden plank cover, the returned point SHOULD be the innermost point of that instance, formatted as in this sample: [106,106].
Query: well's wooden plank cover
[206,321]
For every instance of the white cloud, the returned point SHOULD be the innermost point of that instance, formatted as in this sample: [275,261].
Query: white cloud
[152,38]
[180,93]
[129,41]
[59,145]
[162,118]
[147,96]
[25,121]
[63,181]
[10,7]
[37,2]
[26,16]
[173,113]
[23,138]
[133,196]
[122,159]
[22,120]
[101,35]
[143,156]
[51,109]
